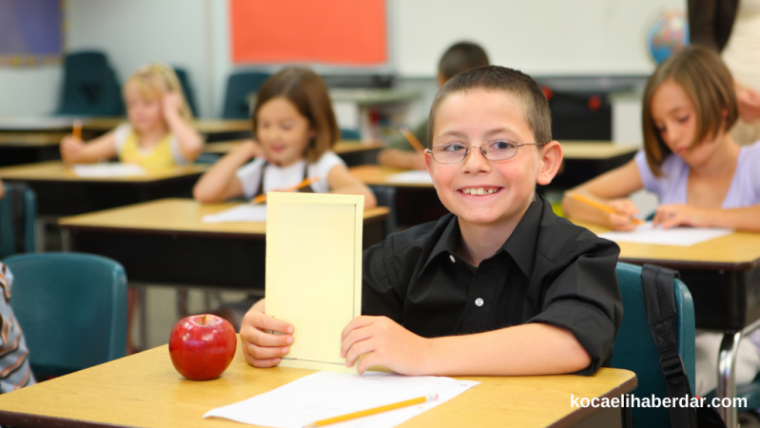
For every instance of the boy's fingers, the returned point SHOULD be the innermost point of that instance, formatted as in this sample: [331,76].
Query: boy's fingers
[263,363]
[263,352]
[262,338]
[358,349]
[356,335]
[268,323]
[358,322]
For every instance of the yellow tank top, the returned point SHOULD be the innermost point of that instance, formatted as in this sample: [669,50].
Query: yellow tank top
[159,156]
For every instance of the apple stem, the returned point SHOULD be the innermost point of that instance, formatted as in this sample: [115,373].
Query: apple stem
[203,319]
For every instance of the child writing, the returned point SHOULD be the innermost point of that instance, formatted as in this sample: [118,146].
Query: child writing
[295,128]
[494,287]
[458,57]
[159,133]
[690,160]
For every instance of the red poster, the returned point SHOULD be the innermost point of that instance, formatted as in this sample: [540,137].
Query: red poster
[350,32]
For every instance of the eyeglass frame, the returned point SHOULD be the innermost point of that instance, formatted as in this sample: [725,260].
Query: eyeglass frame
[482,151]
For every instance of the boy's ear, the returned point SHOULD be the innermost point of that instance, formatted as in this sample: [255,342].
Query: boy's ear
[550,162]
[429,164]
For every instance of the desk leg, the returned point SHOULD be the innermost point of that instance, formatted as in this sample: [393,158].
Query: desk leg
[182,303]
[726,375]
[142,303]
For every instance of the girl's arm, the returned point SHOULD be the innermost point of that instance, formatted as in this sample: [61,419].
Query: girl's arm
[608,189]
[189,141]
[396,158]
[220,182]
[747,219]
[341,181]
[74,150]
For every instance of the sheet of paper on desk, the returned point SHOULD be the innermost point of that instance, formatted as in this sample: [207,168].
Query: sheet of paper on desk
[242,212]
[325,394]
[681,236]
[104,170]
[314,272]
[412,177]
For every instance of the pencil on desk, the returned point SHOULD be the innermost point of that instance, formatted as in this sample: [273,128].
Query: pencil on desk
[77,131]
[376,410]
[600,206]
[412,139]
[261,198]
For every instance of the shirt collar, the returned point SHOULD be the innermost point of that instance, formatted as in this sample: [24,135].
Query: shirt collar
[521,244]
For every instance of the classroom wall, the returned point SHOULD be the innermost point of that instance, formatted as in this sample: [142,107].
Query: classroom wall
[29,91]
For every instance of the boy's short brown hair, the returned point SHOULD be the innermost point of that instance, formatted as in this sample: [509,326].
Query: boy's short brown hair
[513,82]
[308,93]
[461,57]
[709,85]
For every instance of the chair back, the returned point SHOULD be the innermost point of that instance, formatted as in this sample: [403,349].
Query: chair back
[18,213]
[90,87]
[386,197]
[636,350]
[239,87]
[187,89]
[72,308]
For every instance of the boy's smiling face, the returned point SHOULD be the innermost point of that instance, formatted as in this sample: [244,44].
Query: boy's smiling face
[474,118]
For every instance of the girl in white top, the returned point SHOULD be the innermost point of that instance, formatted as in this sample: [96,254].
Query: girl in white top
[295,128]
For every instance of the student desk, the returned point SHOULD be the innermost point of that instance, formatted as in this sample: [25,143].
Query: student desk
[723,275]
[18,148]
[166,241]
[144,390]
[213,129]
[60,192]
[352,152]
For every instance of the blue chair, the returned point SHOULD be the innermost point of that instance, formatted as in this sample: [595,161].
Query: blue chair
[72,308]
[18,213]
[350,134]
[187,89]
[90,87]
[239,87]
[636,350]
[386,197]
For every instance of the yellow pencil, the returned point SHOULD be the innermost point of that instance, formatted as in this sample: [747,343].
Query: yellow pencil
[412,139]
[77,131]
[376,410]
[600,206]
[261,198]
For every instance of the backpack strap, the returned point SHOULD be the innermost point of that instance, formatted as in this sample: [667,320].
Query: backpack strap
[660,302]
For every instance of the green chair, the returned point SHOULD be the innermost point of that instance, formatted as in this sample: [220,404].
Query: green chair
[239,87]
[636,350]
[72,308]
[187,89]
[90,87]
[18,213]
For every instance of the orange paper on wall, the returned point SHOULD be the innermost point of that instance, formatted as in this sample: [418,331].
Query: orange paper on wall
[327,31]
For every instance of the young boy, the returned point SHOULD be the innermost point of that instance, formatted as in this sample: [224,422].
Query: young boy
[459,57]
[501,286]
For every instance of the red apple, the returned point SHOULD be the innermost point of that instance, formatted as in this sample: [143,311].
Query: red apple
[202,346]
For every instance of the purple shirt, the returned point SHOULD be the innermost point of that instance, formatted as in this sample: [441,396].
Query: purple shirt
[671,187]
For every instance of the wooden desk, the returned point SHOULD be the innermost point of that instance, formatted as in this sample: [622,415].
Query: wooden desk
[213,129]
[166,241]
[144,390]
[352,152]
[60,192]
[18,148]
[723,275]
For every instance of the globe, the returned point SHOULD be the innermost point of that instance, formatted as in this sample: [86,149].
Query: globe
[668,35]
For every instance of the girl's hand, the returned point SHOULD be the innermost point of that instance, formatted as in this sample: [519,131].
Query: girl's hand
[250,148]
[262,349]
[672,215]
[71,147]
[386,344]
[625,210]
[748,101]
[171,102]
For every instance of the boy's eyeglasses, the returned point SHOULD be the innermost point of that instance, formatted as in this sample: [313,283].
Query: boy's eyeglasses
[497,150]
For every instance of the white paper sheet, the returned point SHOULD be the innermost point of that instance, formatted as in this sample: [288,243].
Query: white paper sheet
[411,177]
[243,212]
[680,236]
[107,170]
[327,394]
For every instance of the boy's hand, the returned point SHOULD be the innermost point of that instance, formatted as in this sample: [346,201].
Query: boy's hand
[386,344]
[672,215]
[171,102]
[625,210]
[262,349]
[71,147]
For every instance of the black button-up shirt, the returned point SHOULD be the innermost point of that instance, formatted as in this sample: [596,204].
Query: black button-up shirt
[548,271]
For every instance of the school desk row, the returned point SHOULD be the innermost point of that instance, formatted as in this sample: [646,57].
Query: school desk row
[144,390]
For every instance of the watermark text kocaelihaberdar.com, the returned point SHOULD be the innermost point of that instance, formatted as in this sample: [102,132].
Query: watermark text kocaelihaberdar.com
[631,400]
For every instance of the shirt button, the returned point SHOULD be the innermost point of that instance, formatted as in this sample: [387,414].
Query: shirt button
[478,302]
[453,260]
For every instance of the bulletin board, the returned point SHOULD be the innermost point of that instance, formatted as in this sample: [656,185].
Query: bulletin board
[31,32]
[341,32]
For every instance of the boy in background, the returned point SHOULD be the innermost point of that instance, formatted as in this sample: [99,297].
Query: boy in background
[459,57]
